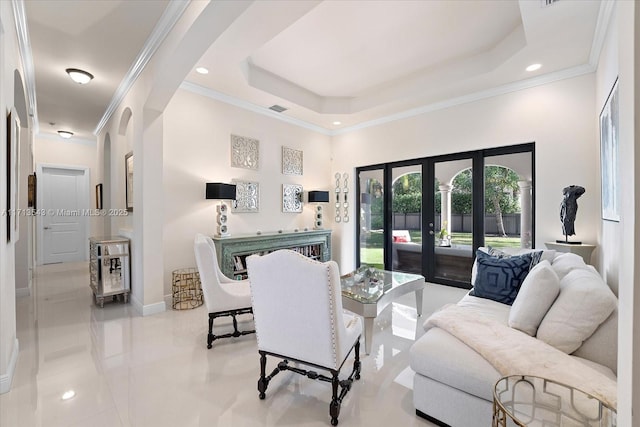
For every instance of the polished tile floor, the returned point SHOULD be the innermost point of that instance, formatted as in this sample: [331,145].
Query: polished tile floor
[128,370]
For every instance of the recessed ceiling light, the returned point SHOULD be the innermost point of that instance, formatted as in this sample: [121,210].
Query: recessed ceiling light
[69,394]
[534,67]
[79,76]
[202,70]
[65,134]
[337,123]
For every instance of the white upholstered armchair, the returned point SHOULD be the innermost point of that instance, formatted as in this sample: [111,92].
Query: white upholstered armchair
[297,306]
[222,296]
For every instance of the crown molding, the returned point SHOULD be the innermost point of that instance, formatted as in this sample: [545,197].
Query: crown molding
[24,46]
[169,17]
[218,96]
[489,93]
[602,26]
[72,140]
[472,97]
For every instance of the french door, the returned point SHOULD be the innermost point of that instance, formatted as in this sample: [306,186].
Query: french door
[428,216]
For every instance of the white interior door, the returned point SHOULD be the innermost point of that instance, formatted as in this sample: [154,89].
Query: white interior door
[63,208]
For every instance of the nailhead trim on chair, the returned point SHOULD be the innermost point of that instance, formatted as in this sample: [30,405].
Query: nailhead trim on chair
[331,315]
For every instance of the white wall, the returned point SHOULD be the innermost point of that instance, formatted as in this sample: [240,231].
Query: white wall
[25,244]
[628,246]
[558,117]
[9,62]
[53,150]
[197,133]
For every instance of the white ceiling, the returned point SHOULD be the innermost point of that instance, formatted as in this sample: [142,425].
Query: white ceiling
[101,37]
[349,61]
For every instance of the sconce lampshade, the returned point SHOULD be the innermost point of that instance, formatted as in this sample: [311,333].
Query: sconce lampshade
[365,198]
[220,191]
[318,196]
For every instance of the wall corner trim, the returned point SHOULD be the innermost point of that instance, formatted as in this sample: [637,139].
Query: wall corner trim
[7,378]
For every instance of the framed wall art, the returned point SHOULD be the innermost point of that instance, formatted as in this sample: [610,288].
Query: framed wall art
[609,160]
[247,196]
[245,152]
[291,161]
[31,191]
[99,196]
[128,176]
[291,198]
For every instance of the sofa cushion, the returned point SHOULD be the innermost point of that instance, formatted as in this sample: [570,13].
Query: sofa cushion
[537,293]
[566,262]
[584,302]
[444,358]
[499,279]
[486,307]
[602,346]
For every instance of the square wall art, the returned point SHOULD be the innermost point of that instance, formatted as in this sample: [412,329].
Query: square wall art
[247,196]
[291,198]
[245,152]
[291,161]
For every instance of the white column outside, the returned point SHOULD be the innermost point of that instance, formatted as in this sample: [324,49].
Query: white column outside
[445,206]
[526,234]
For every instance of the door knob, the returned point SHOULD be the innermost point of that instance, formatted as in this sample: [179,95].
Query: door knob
[431,224]
[431,232]
[46,228]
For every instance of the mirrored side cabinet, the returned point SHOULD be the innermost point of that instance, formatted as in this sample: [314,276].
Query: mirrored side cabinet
[109,268]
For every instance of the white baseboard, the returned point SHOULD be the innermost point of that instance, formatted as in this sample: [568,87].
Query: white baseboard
[23,292]
[156,308]
[149,309]
[7,379]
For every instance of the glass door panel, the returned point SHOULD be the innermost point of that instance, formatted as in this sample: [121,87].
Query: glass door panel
[452,228]
[406,202]
[508,201]
[372,218]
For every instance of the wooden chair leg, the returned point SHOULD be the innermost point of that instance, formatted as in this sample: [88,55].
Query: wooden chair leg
[210,336]
[356,362]
[262,382]
[334,406]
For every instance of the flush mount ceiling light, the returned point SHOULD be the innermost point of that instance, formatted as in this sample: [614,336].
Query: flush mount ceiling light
[79,76]
[337,123]
[69,394]
[534,67]
[202,70]
[65,134]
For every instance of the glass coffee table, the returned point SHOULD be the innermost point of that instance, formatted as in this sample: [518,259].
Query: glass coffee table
[367,291]
[523,400]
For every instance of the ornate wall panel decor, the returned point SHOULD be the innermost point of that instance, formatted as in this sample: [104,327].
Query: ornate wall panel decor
[291,198]
[247,196]
[245,152]
[342,197]
[345,203]
[291,161]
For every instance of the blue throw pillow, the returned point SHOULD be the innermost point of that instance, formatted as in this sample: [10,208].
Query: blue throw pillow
[499,279]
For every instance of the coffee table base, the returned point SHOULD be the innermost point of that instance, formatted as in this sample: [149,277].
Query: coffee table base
[370,316]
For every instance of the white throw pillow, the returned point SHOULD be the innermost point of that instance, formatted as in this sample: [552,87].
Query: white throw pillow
[585,301]
[537,293]
[566,262]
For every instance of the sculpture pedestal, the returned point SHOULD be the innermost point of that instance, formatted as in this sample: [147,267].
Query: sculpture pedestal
[583,249]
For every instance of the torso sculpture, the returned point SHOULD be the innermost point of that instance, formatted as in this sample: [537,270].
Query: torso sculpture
[569,208]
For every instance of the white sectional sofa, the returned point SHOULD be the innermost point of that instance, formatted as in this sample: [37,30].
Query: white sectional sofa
[453,384]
